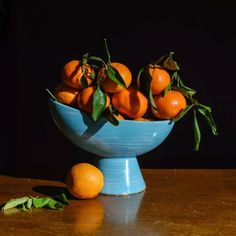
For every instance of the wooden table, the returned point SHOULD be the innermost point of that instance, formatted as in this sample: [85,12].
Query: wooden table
[175,202]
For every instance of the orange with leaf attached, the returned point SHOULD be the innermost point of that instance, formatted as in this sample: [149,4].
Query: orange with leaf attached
[73,71]
[109,85]
[169,105]
[85,99]
[160,78]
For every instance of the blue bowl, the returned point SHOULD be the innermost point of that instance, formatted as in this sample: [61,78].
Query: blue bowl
[116,147]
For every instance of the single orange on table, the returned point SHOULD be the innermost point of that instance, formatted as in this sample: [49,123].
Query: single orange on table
[130,102]
[84,181]
[110,86]
[66,94]
[85,99]
[169,105]
[73,71]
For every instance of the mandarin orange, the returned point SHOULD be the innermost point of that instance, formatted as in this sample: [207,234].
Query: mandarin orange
[130,102]
[169,105]
[160,79]
[85,99]
[73,71]
[112,87]
[84,181]
[66,94]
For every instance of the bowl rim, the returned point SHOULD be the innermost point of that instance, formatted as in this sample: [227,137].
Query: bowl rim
[120,121]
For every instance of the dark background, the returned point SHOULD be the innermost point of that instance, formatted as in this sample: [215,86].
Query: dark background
[39,37]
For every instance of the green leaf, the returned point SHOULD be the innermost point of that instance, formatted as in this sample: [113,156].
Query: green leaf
[107,51]
[167,88]
[40,202]
[144,81]
[169,63]
[62,198]
[26,203]
[99,103]
[114,75]
[151,99]
[29,203]
[109,114]
[84,81]
[209,118]
[207,108]
[189,90]
[85,59]
[14,203]
[93,75]
[139,78]
[184,112]
[196,130]
[185,92]
[175,76]
[53,204]
[96,60]
[24,207]
[178,84]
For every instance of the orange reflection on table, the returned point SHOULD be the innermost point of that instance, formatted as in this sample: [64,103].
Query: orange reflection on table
[87,216]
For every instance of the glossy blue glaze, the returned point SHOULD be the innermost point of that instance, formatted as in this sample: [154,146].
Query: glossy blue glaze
[122,176]
[116,146]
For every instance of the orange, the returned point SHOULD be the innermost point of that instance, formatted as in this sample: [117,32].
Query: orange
[87,216]
[72,73]
[110,86]
[169,105]
[160,79]
[84,180]
[85,99]
[66,94]
[130,102]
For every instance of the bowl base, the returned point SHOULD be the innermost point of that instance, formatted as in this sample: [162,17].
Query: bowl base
[122,175]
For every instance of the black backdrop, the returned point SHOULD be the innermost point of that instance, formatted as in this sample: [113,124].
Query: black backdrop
[38,37]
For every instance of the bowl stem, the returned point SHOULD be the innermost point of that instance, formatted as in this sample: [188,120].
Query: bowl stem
[122,175]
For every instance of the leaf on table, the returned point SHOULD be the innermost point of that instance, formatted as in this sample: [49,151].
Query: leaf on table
[26,203]
[14,203]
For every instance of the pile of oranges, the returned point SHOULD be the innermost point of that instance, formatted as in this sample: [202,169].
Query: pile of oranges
[110,89]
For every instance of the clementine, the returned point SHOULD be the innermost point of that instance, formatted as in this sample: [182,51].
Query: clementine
[130,102]
[73,71]
[160,79]
[169,105]
[85,99]
[66,94]
[84,181]
[110,86]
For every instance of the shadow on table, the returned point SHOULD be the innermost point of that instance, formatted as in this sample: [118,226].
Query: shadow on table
[50,191]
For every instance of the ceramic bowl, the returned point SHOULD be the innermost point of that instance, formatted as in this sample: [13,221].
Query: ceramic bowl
[115,147]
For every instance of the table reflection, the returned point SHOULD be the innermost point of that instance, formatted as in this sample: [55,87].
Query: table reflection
[121,209]
[87,216]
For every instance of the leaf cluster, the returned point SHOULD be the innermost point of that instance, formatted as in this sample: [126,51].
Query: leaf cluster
[143,83]
[167,62]
[28,202]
